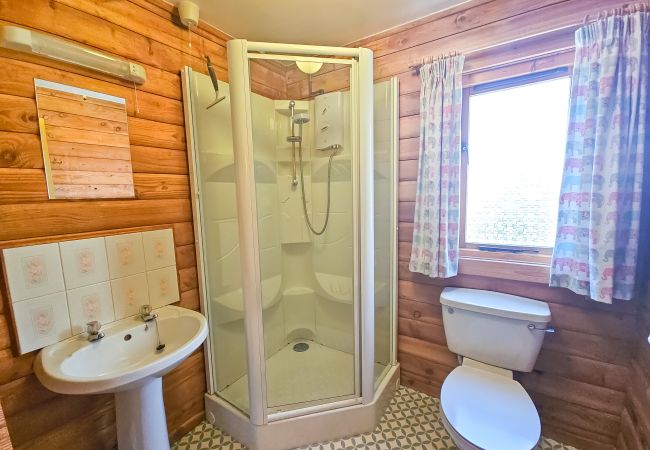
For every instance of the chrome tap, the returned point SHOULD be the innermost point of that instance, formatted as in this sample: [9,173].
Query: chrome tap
[92,328]
[146,315]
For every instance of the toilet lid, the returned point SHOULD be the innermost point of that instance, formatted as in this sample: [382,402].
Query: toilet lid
[491,411]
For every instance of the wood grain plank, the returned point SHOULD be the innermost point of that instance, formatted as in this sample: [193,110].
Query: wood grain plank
[20,150]
[420,383]
[409,104]
[576,392]
[5,439]
[185,256]
[558,411]
[22,185]
[76,136]
[64,119]
[87,151]
[62,218]
[51,93]
[409,127]
[90,164]
[432,352]
[183,233]
[161,186]
[420,311]
[431,371]
[77,104]
[408,170]
[409,148]
[93,191]
[148,133]
[188,279]
[422,331]
[158,160]
[190,299]
[596,373]
[18,114]
[68,177]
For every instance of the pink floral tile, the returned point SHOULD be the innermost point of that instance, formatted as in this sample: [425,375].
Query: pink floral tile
[84,262]
[42,321]
[33,271]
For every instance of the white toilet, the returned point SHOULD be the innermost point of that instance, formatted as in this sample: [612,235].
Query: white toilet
[483,407]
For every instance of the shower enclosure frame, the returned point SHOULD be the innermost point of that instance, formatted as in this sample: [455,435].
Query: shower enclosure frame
[240,52]
[371,393]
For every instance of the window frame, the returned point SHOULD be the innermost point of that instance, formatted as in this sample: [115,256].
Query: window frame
[524,263]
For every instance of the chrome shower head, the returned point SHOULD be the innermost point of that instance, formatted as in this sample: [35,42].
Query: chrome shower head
[301,118]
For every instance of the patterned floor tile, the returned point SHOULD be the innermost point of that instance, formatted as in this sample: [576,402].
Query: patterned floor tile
[412,421]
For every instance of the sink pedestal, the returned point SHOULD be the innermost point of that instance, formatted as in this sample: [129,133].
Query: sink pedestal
[140,415]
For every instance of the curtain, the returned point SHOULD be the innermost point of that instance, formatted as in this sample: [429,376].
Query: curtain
[436,226]
[598,229]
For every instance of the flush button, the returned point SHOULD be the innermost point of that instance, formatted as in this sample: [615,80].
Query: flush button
[450,310]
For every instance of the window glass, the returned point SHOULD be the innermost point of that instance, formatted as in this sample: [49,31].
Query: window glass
[516,141]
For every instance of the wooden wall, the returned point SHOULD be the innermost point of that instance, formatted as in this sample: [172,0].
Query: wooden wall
[582,374]
[143,31]
[635,418]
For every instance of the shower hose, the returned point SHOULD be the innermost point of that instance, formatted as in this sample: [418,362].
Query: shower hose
[302,189]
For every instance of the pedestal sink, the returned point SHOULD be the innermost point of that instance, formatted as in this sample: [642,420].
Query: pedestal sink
[125,362]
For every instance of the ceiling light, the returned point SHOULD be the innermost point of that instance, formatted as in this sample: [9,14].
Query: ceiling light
[309,67]
[27,41]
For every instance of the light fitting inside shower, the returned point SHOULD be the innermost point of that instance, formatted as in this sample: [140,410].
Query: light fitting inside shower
[309,67]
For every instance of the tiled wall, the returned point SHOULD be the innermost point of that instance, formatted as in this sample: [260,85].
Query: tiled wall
[57,288]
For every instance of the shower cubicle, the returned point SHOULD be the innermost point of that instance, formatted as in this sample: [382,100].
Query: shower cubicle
[295,225]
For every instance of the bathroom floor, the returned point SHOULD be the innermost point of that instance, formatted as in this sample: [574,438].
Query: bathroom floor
[412,421]
[324,373]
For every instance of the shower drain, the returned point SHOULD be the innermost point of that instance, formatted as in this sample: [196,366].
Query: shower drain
[301,347]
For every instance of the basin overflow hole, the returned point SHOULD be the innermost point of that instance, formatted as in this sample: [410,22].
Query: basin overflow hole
[127,337]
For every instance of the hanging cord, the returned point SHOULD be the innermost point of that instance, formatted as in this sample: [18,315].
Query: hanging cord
[137,104]
[302,188]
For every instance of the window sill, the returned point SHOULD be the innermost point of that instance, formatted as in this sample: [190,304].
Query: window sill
[532,268]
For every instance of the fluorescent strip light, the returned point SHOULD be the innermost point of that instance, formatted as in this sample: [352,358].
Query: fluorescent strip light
[27,41]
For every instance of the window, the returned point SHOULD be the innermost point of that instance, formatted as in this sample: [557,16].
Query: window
[515,132]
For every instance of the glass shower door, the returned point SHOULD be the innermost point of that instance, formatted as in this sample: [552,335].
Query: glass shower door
[304,168]
[216,202]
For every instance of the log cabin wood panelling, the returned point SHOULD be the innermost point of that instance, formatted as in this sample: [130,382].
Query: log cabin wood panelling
[581,377]
[144,31]
[635,419]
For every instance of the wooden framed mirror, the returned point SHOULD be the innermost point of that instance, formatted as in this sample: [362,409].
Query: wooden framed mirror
[85,141]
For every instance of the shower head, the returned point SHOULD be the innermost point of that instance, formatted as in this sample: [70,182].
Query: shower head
[301,118]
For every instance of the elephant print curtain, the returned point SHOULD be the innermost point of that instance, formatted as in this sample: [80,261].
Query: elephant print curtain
[596,248]
[436,227]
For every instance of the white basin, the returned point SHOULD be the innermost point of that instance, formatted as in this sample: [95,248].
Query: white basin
[125,362]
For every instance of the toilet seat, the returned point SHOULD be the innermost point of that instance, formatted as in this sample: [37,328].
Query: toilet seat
[488,410]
